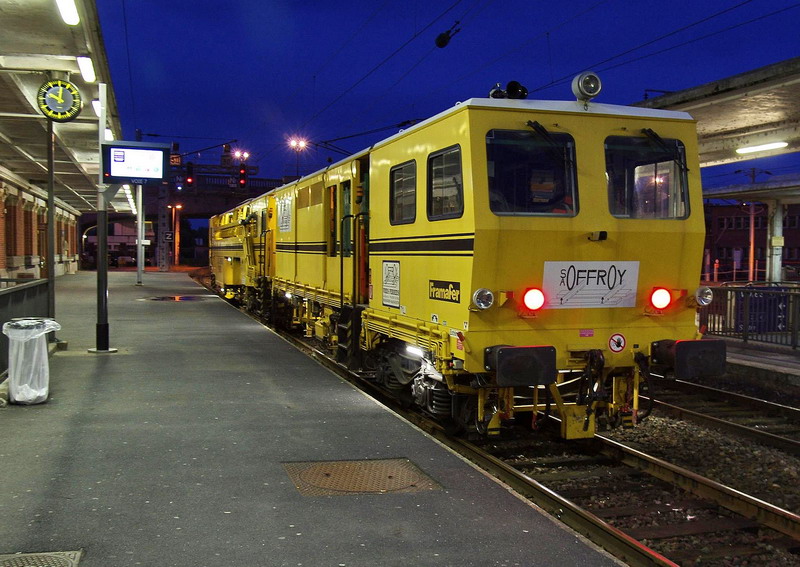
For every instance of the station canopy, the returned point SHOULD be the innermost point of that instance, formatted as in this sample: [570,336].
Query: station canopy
[746,110]
[37,45]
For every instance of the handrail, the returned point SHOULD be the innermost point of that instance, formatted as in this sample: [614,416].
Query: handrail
[754,312]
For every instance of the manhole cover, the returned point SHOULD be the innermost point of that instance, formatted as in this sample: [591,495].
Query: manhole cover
[322,478]
[51,559]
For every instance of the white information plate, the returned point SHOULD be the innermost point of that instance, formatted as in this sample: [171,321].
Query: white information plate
[391,283]
[581,285]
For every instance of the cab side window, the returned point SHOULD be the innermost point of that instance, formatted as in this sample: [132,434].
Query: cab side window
[445,185]
[403,193]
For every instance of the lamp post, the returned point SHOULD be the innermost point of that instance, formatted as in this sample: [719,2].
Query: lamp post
[752,273]
[176,233]
[298,145]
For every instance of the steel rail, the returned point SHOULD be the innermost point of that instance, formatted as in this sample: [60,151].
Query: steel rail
[613,540]
[788,412]
[785,444]
[765,513]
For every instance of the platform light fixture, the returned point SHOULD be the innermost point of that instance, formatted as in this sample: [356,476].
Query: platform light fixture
[87,69]
[69,12]
[762,148]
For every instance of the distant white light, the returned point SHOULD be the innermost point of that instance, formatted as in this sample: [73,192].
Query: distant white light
[762,148]
[129,196]
[69,12]
[87,69]
[96,107]
[109,135]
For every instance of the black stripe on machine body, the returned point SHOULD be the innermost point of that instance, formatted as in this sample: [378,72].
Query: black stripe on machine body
[302,247]
[229,247]
[396,254]
[464,243]
[470,235]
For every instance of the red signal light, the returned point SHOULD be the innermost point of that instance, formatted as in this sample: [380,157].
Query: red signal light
[660,298]
[189,174]
[533,299]
[242,175]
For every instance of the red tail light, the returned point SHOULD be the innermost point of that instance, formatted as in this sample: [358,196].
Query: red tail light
[533,299]
[660,298]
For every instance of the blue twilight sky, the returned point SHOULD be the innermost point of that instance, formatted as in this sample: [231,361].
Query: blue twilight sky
[202,72]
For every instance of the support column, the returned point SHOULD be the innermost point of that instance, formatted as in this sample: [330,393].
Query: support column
[775,241]
[3,247]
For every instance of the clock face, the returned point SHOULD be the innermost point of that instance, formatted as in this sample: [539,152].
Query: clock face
[59,100]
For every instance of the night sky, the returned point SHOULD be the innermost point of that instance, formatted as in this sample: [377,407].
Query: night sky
[201,73]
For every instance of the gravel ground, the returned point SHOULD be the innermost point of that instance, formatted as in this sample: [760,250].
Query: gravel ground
[763,472]
[768,474]
[775,391]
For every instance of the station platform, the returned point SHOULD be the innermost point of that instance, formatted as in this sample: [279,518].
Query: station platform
[777,365]
[207,440]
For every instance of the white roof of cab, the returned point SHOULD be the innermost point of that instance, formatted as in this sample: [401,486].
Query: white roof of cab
[572,106]
[522,104]
[544,106]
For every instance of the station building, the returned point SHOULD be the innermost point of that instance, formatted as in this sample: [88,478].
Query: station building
[23,222]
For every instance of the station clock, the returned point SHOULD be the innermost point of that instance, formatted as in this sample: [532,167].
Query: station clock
[59,100]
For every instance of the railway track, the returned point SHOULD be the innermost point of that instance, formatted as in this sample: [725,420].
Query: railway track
[627,519]
[677,516]
[643,510]
[767,423]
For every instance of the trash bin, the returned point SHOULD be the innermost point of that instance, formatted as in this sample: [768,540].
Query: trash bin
[28,369]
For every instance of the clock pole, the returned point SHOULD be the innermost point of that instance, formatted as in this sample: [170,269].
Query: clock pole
[51,225]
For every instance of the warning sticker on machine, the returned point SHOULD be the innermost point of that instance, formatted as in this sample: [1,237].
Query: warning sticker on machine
[580,285]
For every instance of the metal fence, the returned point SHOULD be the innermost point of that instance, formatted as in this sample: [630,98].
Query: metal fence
[27,299]
[755,313]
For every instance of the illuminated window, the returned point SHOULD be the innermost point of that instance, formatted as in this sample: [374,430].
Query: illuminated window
[531,173]
[445,185]
[646,179]
[403,193]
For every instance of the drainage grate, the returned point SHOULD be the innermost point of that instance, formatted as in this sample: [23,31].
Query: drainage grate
[325,478]
[51,559]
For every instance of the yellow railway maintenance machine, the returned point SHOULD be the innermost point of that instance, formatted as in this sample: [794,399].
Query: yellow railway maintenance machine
[498,258]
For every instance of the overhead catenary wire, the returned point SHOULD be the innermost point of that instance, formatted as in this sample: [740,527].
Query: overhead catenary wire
[416,34]
[527,42]
[379,65]
[130,67]
[342,45]
[687,42]
[645,44]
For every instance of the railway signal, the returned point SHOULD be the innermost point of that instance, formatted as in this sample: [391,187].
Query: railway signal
[189,179]
[242,175]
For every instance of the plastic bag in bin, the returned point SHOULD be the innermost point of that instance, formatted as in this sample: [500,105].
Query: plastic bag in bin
[28,369]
